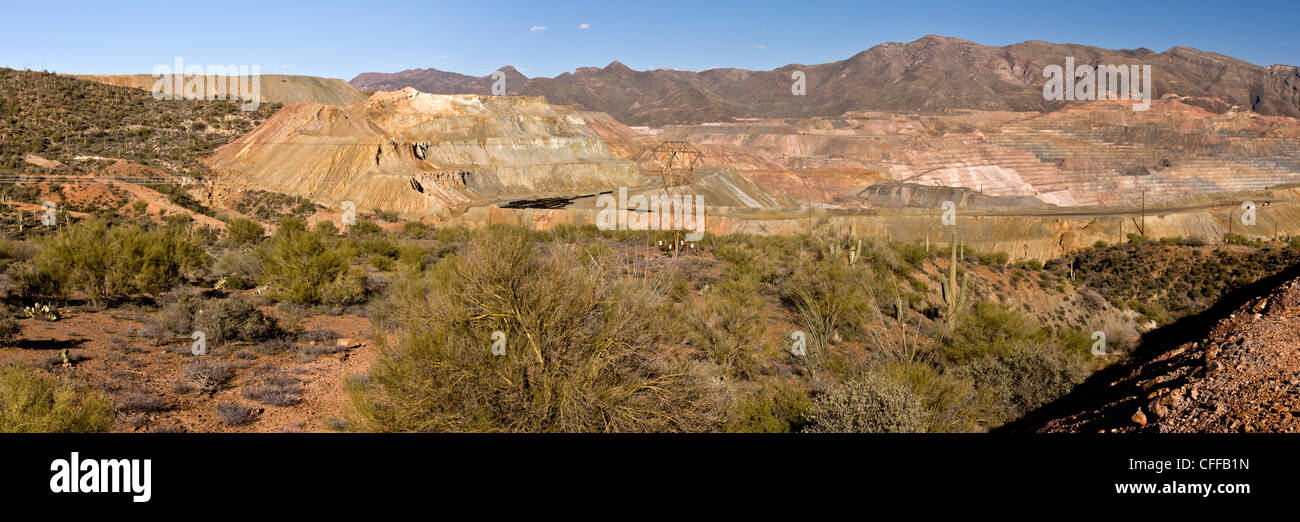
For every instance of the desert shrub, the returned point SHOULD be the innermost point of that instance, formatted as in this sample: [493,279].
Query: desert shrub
[780,407]
[143,402]
[364,228]
[911,253]
[276,390]
[9,327]
[985,327]
[1030,264]
[12,251]
[307,268]
[727,322]
[243,231]
[993,259]
[175,317]
[31,282]
[222,321]
[948,397]
[585,350]
[417,230]
[34,402]
[326,228]
[239,267]
[118,261]
[873,403]
[233,319]
[1013,363]
[235,414]
[207,375]
[833,299]
[1023,378]
[381,263]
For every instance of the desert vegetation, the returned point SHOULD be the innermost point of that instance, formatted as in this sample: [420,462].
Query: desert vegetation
[61,118]
[506,328]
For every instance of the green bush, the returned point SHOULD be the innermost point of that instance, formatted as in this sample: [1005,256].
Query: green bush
[32,401]
[781,407]
[585,350]
[241,268]
[993,259]
[114,262]
[1013,363]
[242,231]
[9,327]
[1030,264]
[307,268]
[1022,378]
[727,322]
[364,229]
[417,230]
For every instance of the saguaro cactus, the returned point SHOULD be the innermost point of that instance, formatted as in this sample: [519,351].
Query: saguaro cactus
[953,295]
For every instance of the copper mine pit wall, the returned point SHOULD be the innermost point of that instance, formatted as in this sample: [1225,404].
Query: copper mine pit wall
[1021,237]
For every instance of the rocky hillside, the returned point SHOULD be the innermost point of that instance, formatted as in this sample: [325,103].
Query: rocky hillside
[275,88]
[933,73]
[48,121]
[1241,376]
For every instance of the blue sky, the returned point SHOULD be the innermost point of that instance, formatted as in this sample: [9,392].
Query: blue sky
[343,38]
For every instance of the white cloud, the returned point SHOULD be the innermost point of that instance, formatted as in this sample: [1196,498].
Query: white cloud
[444,56]
[760,46]
[537,28]
[286,67]
[584,26]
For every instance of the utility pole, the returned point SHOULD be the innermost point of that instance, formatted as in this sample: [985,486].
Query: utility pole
[1143,228]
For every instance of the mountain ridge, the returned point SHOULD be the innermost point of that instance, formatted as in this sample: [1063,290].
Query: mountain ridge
[931,74]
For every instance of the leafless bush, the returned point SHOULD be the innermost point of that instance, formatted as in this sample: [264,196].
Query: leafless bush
[235,414]
[276,390]
[143,402]
[208,375]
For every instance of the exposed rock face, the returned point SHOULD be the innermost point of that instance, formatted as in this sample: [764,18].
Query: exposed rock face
[425,155]
[930,74]
[275,88]
[1241,378]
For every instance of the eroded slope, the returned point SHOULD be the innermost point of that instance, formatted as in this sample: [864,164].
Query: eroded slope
[424,154]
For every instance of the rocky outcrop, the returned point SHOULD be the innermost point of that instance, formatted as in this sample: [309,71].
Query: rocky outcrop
[1242,377]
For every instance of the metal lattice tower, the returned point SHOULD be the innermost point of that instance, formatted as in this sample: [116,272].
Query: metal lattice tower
[674,162]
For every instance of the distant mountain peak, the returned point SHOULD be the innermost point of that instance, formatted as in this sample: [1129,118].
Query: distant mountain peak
[617,66]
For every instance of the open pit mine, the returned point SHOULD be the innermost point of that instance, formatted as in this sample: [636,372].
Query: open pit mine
[1034,185]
